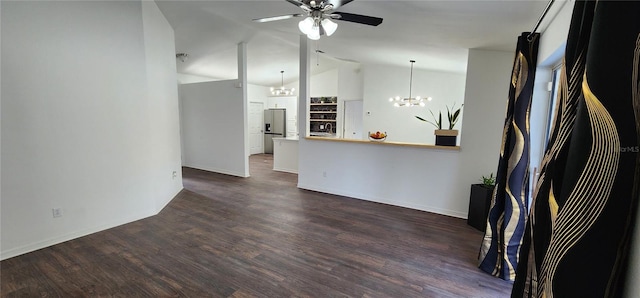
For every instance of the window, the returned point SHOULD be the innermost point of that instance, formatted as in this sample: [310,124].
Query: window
[555,89]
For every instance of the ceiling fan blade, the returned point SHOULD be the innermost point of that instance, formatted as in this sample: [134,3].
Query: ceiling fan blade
[277,18]
[357,18]
[338,3]
[296,2]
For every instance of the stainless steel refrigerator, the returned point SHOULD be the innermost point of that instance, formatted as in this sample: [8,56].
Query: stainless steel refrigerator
[275,126]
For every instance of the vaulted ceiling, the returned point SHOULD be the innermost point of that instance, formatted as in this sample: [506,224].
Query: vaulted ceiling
[437,34]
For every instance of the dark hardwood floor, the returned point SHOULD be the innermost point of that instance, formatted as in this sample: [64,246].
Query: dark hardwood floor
[224,236]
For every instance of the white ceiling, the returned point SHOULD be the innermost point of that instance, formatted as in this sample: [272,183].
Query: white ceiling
[437,34]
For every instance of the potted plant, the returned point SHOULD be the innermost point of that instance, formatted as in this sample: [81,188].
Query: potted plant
[445,137]
[480,202]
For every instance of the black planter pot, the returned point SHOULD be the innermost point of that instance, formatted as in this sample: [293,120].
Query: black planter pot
[446,140]
[479,204]
[446,137]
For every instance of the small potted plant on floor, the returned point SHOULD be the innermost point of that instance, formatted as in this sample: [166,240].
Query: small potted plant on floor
[445,137]
[480,202]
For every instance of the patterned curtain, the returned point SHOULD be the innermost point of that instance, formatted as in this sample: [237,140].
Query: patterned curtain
[509,205]
[578,235]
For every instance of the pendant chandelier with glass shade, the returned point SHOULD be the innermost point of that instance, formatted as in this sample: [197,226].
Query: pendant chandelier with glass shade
[417,101]
[282,91]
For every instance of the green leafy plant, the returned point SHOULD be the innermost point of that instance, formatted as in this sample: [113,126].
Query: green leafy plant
[488,181]
[437,122]
[452,115]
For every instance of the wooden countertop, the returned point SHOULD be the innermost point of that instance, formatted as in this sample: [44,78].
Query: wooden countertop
[385,143]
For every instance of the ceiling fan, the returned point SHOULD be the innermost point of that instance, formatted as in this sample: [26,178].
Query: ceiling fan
[319,15]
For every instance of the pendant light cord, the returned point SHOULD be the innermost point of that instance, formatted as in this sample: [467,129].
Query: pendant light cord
[411,80]
[282,79]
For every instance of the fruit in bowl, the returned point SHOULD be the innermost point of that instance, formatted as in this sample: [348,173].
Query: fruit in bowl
[378,136]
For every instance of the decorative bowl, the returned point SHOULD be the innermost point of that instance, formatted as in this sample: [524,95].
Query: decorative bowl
[377,136]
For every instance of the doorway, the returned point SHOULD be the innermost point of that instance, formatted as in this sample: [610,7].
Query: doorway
[352,128]
[256,137]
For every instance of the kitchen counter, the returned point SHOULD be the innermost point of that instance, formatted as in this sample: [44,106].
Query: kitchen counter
[385,143]
[285,154]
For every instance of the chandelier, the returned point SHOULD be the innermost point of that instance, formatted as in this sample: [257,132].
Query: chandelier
[282,91]
[317,20]
[410,101]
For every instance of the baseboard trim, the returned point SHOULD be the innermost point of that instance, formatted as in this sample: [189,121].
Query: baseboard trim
[14,252]
[216,170]
[292,171]
[161,204]
[358,196]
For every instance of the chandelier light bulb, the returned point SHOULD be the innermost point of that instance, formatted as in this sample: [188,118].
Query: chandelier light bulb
[329,26]
[305,25]
[314,33]
[429,98]
[396,104]
[422,104]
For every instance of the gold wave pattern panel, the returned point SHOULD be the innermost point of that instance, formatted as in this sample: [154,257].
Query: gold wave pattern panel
[518,206]
[499,252]
[590,194]
[564,118]
[518,74]
[635,93]
[578,234]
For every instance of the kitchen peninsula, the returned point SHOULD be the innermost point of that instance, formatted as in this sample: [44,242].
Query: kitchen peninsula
[285,154]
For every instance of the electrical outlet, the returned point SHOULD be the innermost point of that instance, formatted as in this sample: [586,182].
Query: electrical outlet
[57,212]
[175,174]
[324,174]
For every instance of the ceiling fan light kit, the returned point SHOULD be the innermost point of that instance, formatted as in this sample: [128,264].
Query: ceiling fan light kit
[329,26]
[320,16]
[310,27]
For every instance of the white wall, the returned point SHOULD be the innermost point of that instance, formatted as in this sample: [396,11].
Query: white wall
[425,179]
[382,82]
[184,78]
[257,93]
[350,87]
[164,117]
[79,125]
[485,106]
[322,84]
[212,127]
[325,83]
[350,81]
